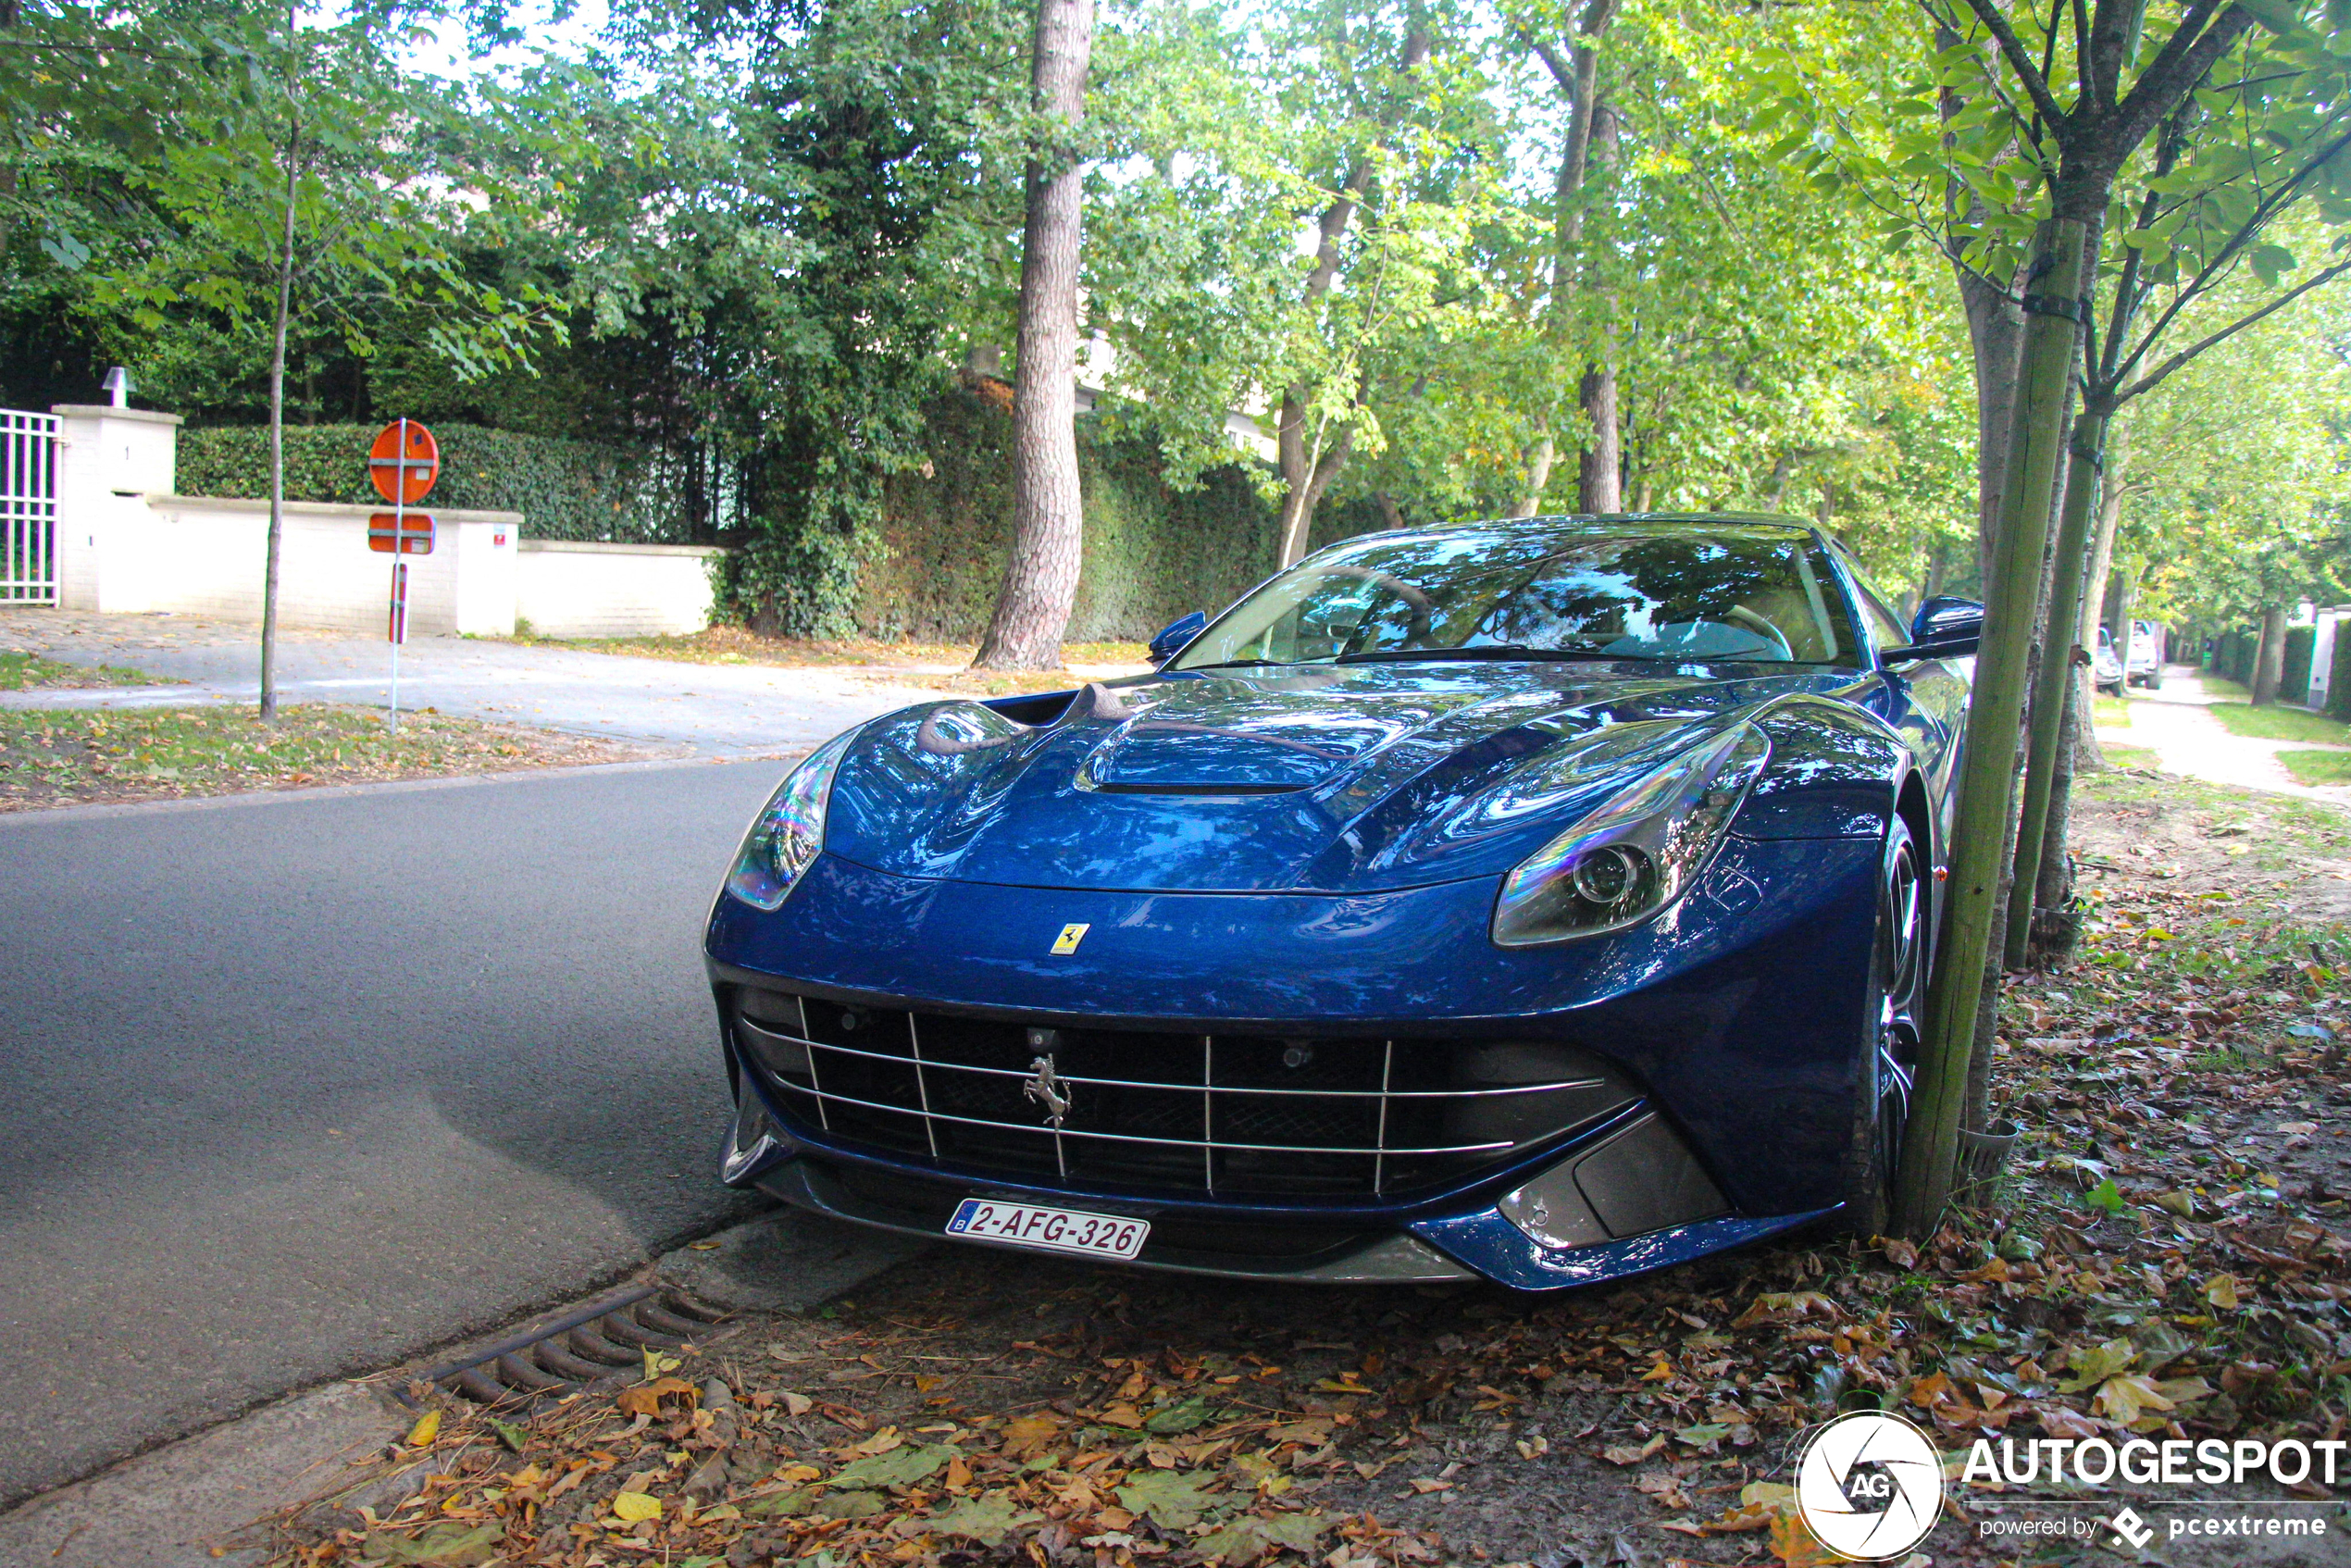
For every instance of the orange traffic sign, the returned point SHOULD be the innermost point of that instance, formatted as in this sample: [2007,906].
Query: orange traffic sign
[404,462]
[391,533]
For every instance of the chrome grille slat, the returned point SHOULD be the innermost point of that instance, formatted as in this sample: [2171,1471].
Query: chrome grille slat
[1219,1089]
[1161,1142]
[1227,1114]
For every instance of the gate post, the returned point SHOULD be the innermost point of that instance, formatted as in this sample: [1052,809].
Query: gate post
[109,462]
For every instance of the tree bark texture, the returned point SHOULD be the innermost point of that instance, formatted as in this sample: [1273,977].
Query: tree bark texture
[2055,678]
[1979,847]
[2268,659]
[1040,576]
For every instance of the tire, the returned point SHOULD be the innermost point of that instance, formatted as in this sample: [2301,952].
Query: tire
[1889,1047]
[2113,691]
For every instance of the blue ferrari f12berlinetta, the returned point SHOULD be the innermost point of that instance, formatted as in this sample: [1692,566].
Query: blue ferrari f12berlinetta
[1541,900]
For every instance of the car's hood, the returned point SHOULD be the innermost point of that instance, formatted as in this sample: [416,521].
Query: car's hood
[1300,777]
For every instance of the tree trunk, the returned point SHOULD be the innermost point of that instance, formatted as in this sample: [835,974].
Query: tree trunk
[1308,468]
[1995,336]
[1591,137]
[1987,767]
[1540,459]
[1600,470]
[2055,678]
[279,323]
[1040,576]
[2268,660]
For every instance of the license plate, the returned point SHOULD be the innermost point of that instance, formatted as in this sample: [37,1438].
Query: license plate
[1055,1230]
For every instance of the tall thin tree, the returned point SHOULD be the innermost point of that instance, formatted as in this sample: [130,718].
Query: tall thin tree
[1040,576]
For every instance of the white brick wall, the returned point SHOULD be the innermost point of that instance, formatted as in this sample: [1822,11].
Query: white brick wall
[569,590]
[204,556]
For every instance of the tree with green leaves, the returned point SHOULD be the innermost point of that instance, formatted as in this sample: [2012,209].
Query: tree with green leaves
[311,188]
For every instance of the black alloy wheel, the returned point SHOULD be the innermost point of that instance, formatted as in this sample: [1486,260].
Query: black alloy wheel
[1889,1052]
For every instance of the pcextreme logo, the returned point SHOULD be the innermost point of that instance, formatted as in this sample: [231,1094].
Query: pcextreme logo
[1870,1486]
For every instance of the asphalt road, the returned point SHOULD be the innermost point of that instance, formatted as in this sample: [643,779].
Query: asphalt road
[299,1085]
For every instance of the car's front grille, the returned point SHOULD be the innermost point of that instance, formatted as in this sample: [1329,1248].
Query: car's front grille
[1226,1114]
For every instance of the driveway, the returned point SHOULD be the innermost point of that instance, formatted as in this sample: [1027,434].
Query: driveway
[2173,723]
[705,710]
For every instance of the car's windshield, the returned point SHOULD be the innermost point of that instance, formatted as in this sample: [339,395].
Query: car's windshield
[1675,593]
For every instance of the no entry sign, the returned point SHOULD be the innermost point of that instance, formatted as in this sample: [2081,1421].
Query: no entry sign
[404,463]
[400,533]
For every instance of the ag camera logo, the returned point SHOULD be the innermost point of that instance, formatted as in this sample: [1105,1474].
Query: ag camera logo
[1870,1486]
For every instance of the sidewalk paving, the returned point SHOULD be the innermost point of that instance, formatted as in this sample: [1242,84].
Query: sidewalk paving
[697,710]
[2172,722]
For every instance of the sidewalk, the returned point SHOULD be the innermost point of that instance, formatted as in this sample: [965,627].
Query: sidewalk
[701,710]
[2173,723]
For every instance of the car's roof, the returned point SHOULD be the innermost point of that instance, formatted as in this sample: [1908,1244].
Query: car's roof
[1752,525]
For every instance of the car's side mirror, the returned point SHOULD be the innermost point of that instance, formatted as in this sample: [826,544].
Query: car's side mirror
[1944,628]
[1176,637]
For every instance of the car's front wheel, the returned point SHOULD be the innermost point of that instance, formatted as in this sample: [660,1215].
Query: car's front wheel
[1889,1052]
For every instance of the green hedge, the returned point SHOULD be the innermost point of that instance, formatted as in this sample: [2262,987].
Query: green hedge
[1151,553]
[2293,674]
[2339,678]
[564,489]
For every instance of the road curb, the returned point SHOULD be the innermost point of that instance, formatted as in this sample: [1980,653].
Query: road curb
[176,1506]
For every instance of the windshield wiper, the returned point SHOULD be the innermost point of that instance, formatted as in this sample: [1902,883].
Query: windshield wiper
[1484,651]
[1237,664]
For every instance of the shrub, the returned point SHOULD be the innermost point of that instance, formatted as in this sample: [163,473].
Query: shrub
[564,489]
[2293,678]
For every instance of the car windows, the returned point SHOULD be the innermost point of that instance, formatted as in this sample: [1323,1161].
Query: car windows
[1680,593]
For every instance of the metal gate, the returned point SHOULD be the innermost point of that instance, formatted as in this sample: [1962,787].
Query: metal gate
[28,507]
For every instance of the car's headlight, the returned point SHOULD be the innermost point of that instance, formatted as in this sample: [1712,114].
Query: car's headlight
[1638,852]
[785,836]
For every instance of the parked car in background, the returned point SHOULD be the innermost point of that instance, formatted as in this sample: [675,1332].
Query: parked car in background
[1544,900]
[2145,666]
[2106,666]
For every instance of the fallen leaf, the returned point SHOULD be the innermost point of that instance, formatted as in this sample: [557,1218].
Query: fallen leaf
[1533,1447]
[2221,1290]
[2094,1366]
[1170,1501]
[898,1467]
[797,1404]
[1250,1536]
[1025,1434]
[426,1428]
[1628,1453]
[1661,1372]
[987,1520]
[2124,1397]
[446,1546]
[1427,1484]
[631,1507]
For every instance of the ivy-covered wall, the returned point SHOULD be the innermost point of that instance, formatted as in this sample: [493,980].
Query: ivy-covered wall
[564,489]
[1152,554]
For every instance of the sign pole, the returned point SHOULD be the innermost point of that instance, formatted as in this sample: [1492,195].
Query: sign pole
[399,574]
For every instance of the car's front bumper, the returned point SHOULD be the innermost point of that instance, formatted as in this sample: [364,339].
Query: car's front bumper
[1448,1241]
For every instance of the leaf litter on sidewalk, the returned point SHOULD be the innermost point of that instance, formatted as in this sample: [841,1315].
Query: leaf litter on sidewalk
[2167,1257]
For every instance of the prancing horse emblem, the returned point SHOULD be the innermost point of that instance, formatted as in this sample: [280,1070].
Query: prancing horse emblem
[1047,1088]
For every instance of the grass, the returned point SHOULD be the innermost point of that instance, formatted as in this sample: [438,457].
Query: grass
[2318,768]
[2277,722]
[738,646]
[53,757]
[20,672]
[2222,687]
[2110,713]
[2127,756]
